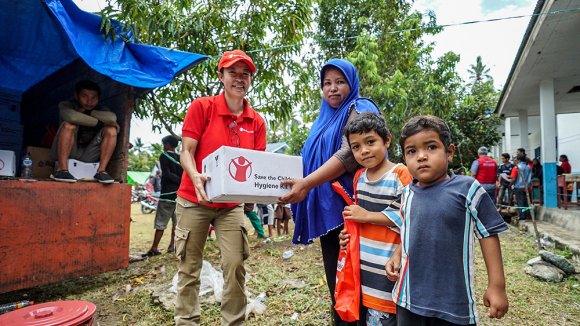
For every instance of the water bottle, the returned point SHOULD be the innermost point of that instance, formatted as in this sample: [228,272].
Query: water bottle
[287,254]
[26,168]
[259,304]
[15,305]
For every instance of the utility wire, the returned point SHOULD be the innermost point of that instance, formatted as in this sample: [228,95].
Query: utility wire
[555,12]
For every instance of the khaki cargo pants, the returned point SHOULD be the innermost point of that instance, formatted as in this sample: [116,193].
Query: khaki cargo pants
[193,222]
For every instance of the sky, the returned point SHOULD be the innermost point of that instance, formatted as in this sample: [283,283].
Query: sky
[496,42]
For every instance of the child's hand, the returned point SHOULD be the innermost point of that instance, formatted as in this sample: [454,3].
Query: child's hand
[496,299]
[355,213]
[344,239]
[394,265]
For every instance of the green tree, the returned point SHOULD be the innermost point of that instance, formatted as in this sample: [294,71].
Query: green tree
[478,72]
[142,157]
[140,161]
[138,146]
[384,40]
[472,121]
[271,31]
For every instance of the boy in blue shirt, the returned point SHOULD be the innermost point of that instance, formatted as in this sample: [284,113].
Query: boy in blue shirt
[441,214]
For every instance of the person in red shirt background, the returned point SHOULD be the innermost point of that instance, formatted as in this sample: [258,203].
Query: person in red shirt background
[484,170]
[212,122]
[566,167]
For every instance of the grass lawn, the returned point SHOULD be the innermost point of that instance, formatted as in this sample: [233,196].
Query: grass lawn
[296,285]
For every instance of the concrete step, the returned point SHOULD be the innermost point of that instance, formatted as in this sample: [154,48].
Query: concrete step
[563,238]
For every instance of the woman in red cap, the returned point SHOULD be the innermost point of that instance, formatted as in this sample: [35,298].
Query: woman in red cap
[211,122]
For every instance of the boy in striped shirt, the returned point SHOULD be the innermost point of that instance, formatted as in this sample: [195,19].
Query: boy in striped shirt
[378,190]
[442,214]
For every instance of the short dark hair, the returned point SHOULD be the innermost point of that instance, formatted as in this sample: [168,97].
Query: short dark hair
[565,157]
[425,122]
[521,149]
[521,157]
[87,84]
[367,122]
[170,140]
[507,156]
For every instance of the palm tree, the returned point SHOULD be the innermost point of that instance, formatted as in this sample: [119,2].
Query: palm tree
[138,146]
[479,72]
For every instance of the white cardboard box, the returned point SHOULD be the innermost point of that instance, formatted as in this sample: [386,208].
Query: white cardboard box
[82,170]
[7,163]
[248,176]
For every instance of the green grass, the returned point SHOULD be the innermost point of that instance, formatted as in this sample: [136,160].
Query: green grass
[124,297]
[532,302]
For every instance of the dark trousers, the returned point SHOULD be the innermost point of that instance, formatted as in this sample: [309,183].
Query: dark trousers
[522,201]
[330,246]
[407,318]
[501,197]
[491,193]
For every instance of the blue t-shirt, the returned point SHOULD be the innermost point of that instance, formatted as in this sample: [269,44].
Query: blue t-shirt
[506,169]
[439,224]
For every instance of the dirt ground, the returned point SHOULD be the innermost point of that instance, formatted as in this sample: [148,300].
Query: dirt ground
[295,288]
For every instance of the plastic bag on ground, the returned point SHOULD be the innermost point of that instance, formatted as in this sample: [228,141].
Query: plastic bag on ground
[211,280]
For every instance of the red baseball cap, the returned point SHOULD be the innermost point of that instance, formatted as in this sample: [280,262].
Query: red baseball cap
[231,57]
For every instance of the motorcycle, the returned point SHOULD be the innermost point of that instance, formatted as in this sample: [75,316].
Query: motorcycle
[138,194]
[149,204]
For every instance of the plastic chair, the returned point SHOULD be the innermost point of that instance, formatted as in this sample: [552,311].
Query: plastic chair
[562,192]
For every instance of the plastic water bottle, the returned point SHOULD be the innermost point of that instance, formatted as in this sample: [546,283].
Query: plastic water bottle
[15,305]
[259,304]
[26,168]
[287,254]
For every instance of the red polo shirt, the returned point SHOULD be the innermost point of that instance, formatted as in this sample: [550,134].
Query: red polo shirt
[208,120]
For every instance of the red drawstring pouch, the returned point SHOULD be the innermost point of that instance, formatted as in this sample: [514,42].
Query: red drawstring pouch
[347,289]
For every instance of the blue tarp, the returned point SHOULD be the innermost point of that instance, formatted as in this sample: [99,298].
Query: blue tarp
[38,37]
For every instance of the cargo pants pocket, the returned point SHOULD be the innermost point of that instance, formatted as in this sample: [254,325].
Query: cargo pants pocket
[180,241]
[245,244]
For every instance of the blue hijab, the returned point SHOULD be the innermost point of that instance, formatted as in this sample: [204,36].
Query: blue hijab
[321,211]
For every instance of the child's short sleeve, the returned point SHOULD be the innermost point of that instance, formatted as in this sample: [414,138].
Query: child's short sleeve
[488,222]
[393,211]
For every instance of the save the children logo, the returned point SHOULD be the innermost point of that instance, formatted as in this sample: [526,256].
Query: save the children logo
[1,164]
[240,169]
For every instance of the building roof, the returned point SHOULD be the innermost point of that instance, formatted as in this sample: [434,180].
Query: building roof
[549,51]
[275,147]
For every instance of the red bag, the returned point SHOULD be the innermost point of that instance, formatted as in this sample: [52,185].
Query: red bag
[347,290]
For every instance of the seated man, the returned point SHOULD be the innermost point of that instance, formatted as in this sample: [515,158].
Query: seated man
[88,133]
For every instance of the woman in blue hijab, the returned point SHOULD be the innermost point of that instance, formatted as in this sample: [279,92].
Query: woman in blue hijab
[327,157]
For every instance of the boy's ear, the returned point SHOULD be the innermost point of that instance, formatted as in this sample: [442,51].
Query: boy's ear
[450,152]
[388,141]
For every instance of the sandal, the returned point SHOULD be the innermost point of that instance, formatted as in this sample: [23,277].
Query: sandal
[151,253]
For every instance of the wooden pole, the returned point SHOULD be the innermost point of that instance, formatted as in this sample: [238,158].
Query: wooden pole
[532,211]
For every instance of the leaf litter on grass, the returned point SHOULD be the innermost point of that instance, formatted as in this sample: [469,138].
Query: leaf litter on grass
[288,302]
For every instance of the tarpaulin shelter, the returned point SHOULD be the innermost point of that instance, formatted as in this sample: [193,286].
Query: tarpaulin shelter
[137,177]
[41,37]
[47,46]
[55,231]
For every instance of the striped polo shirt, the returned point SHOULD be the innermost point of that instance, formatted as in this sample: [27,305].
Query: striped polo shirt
[378,242]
